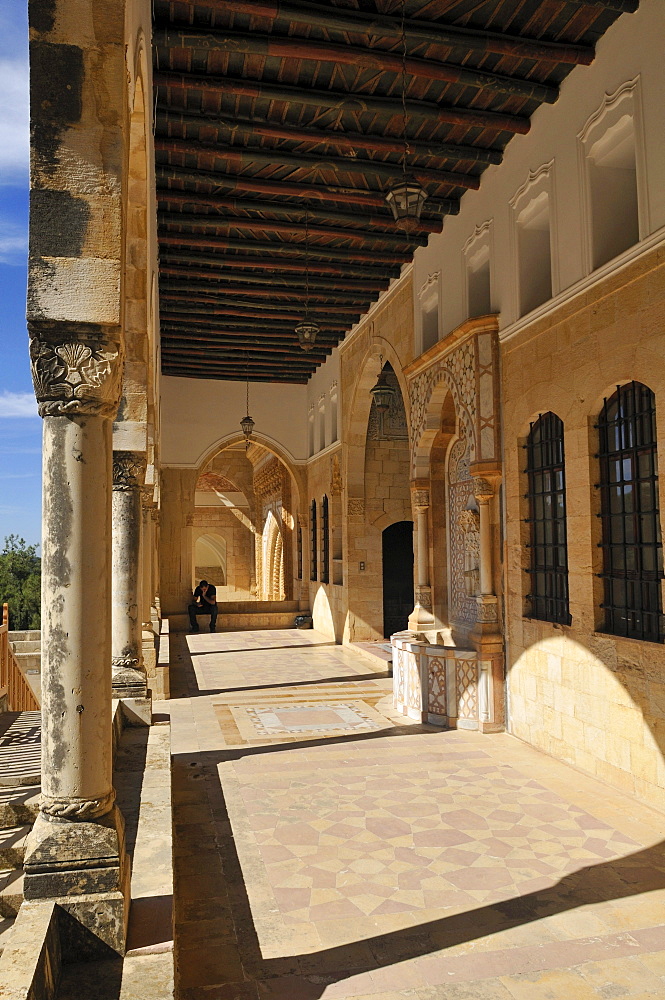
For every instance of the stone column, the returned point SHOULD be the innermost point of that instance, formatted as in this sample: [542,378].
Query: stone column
[76,850]
[486,600]
[421,617]
[129,677]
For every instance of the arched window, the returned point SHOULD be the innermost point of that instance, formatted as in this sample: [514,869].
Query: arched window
[313,541]
[548,597]
[631,540]
[325,541]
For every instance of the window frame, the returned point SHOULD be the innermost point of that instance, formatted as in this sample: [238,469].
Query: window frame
[549,595]
[325,540]
[637,446]
[313,564]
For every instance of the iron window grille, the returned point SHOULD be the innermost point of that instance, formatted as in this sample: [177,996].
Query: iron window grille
[548,545]
[629,511]
[313,541]
[299,550]
[325,541]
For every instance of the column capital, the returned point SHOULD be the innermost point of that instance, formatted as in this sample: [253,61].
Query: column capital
[420,495]
[76,371]
[128,470]
[483,489]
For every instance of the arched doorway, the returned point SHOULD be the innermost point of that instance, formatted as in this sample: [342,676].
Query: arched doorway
[397,542]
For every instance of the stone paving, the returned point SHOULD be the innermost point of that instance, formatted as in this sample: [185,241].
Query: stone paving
[325,847]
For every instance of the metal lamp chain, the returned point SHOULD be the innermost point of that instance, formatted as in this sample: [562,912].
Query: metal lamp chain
[404,116]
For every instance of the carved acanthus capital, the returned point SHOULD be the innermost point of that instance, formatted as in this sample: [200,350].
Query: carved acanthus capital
[128,470]
[483,489]
[80,376]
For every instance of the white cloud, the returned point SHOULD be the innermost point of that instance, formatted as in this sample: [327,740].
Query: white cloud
[13,242]
[14,121]
[18,404]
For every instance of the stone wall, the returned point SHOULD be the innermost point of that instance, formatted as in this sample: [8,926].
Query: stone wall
[594,700]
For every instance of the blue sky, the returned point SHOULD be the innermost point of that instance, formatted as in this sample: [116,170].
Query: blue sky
[20,427]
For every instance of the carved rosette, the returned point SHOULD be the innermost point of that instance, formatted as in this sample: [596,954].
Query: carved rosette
[77,377]
[73,808]
[128,471]
[483,490]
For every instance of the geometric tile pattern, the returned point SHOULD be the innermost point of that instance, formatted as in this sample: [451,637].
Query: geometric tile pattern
[274,720]
[467,687]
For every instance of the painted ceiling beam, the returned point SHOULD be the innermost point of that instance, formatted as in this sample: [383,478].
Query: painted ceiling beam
[255,283]
[256,334]
[226,303]
[336,101]
[416,30]
[262,311]
[240,267]
[206,317]
[218,291]
[377,60]
[343,139]
[185,240]
[285,189]
[234,205]
[246,156]
[224,222]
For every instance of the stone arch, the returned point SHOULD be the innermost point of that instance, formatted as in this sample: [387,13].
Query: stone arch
[428,393]
[210,554]
[359,411]
[296,473]
[272,560]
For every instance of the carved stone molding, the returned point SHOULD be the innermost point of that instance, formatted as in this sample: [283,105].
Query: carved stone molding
[128,471]
[469,524]
[420,499]
[270,480]
[336,485]
[76,808]
[81,376]
[125,662]
[424,597]
[355,508]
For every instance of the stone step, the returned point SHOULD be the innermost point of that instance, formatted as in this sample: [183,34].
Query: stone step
[18,805]
[257,607]
[247,620]
[12,845]
[27,635]
[21,646]
[11,892]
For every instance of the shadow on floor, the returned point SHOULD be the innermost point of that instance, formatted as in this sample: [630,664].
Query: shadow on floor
[218,953]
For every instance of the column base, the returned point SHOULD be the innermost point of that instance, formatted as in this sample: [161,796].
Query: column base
[84,868]
[129,682]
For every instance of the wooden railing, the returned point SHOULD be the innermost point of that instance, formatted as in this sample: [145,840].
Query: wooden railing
[12,682]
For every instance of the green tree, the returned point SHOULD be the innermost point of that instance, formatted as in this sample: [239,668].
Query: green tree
[20,583]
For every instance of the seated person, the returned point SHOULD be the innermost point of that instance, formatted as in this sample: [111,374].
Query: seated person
[205,603]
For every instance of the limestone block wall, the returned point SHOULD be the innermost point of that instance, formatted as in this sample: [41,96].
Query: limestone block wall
[234,526]
[175,549]
[594,700]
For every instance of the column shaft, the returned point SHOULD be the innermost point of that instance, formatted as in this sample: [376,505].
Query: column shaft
[76,637]
[129,678]
[423,549]
[486,587]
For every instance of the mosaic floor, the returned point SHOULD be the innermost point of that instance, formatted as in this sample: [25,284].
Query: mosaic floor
[327,848]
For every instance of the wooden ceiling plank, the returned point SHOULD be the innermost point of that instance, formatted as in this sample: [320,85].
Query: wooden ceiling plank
[240,267]
[344,311]
[291,47]
[351,102]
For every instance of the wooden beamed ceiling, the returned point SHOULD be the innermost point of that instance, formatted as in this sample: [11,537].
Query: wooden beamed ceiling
[279,123]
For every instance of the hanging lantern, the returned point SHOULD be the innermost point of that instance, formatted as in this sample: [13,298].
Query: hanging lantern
[407,197]
[247,423]
[406,200]
[382,393]
[307,332]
